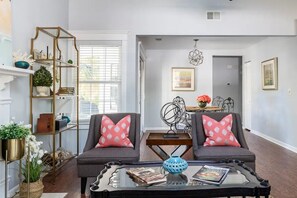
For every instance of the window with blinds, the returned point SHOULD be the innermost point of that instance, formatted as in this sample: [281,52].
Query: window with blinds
[99,79]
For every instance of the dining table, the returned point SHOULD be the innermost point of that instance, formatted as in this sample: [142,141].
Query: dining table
[204,109]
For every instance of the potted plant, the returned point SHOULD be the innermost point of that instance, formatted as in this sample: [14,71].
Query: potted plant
[32,169]
[13,140]
[42,80]
[203,100]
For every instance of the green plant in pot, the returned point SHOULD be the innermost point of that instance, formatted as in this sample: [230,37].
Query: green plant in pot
[42,80]
[13,136]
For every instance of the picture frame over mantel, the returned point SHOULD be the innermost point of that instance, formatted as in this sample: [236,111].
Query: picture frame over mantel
[269,74]
[183,79]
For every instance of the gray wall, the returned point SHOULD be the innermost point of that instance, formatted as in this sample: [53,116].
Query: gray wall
[180,17]
[26,15]
[274,112]
[158,89]
[227,80]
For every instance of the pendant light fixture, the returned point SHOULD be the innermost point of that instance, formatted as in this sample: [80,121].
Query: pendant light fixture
[195,56]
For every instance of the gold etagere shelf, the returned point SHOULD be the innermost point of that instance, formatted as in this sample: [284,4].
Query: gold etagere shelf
[56,34]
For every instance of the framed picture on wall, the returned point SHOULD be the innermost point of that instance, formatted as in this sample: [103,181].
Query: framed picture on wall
[269,74]
[183,79]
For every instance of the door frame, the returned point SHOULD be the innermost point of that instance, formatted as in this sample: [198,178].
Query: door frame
[141,84]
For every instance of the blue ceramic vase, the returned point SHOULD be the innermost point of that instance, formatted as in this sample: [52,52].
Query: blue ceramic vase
[22,64]
[175,165]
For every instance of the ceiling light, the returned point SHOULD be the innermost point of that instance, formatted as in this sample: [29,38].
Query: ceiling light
[195,56]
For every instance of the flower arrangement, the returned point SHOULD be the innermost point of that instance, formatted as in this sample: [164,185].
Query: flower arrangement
[33,155]
[204,98]
[13,130]
[22,60]
[18,56]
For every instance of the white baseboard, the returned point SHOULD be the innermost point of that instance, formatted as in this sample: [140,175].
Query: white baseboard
[273,140]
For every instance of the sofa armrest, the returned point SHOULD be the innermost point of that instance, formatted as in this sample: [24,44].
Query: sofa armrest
[91,139]
[240,134]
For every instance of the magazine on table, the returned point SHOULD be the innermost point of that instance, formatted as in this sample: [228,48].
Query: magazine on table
[211,174]
[146,175]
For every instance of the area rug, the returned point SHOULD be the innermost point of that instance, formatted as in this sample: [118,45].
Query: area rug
[53,195]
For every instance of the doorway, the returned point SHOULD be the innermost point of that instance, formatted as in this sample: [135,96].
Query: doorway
[227,79]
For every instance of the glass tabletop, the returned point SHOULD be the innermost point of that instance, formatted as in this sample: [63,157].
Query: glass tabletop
[120,179]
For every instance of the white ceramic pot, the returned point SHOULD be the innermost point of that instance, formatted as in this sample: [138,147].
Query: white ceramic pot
[43,91]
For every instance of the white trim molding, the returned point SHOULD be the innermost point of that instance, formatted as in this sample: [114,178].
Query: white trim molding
[7,74]
[14,71]
[275,141]
[5,101]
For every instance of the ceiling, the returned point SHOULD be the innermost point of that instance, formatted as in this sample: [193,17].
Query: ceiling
[205,42]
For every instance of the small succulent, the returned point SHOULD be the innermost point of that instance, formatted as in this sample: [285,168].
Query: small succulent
[18,56]
[42,77]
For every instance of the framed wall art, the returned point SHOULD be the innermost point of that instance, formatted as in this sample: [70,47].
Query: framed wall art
[269,74]
[183,79]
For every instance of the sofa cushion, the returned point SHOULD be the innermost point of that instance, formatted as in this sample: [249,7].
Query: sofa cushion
[115,134]
[219,133]
[224,152]
[104,155]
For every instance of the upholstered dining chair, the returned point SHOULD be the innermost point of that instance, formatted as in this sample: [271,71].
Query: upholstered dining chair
[217,101]
[228,105]
[92,160]
[218,153]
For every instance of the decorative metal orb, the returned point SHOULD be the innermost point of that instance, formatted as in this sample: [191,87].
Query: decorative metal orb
[170,114]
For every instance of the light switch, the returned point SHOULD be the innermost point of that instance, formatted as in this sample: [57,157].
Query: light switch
[290,91]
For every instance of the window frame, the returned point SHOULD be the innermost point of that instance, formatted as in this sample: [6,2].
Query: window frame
[122,37]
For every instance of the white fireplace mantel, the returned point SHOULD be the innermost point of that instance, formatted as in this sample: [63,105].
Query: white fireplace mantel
[8,73]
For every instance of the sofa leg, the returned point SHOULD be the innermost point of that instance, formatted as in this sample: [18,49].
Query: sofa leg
[83,183]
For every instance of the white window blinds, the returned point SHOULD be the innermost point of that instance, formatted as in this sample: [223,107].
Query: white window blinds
[99,79]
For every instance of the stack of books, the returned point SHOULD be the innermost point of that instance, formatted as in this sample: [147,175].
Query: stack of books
[146,175]
[211,174]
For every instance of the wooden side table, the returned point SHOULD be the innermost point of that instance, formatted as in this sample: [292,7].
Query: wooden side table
[155,140]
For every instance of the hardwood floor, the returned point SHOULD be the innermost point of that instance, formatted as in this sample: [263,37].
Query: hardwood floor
[273,162]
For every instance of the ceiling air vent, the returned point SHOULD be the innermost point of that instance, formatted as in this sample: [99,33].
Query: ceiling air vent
[216,16]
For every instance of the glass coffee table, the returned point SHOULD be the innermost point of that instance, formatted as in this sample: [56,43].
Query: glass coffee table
[113,181]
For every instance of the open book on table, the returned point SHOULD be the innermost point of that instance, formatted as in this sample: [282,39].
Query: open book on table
[211,174]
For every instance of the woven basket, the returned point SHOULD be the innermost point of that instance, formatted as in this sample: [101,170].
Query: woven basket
[35,188]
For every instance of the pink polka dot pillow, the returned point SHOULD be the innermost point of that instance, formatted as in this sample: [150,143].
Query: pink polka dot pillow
[115,134]
[219,133]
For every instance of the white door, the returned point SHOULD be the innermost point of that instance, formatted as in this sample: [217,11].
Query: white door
[141,84]
[247,95]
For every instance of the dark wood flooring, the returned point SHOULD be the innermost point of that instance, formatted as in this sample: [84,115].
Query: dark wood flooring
[273,162]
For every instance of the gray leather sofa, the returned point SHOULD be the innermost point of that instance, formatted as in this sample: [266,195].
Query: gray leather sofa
[92,160]
[218,153]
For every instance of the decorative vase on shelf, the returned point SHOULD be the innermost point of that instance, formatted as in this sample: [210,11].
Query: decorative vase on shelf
[35,188]
[202,104]
[175,165]
[22,64]
[43,91]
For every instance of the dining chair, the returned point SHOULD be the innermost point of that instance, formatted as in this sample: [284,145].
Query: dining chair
[228,105]
[217,101]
